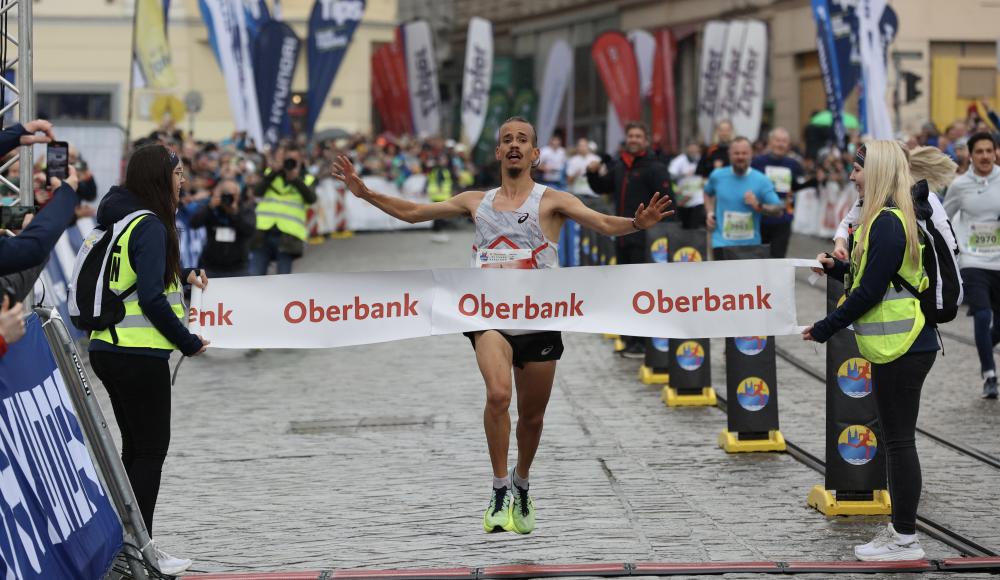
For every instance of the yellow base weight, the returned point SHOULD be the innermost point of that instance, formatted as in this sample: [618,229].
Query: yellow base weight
[611,336]
[672,398]
[731,443]
[341,235]
[619,345]
[826,502]
[649,377]
[316,240]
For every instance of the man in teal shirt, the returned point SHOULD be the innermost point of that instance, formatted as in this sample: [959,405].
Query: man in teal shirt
[735,198]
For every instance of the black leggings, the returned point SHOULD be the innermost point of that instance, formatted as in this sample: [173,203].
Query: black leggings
[897,395]
[139,387]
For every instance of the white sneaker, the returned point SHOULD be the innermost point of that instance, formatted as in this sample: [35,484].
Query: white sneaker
[888,546]
[168,564]
[440,238]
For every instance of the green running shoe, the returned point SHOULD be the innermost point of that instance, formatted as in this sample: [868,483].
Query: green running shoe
[498,516]
[524,511]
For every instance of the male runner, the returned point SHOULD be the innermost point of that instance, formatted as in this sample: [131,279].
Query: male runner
[516,225]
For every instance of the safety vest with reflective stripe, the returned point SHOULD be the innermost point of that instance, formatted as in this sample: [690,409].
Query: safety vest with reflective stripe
[889,329]
[135,330]
[439,185]
[282,206]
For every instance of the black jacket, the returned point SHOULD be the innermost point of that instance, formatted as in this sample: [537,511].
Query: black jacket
[226,255]
[147,248]
[631,181]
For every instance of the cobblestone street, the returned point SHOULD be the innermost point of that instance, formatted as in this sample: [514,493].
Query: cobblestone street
[374,456]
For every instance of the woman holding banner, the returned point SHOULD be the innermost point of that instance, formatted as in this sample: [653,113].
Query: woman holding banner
[132,357]
[890,329]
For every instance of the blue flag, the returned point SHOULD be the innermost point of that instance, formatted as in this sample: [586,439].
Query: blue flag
[257,16]
[276,55]
[58,518]
[828,63]
[331,27]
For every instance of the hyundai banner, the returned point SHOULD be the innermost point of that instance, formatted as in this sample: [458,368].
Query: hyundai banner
[276,55]
[58,520]
[829,66]
[331,27]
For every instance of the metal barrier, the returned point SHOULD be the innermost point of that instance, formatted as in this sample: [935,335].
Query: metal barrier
[138,545]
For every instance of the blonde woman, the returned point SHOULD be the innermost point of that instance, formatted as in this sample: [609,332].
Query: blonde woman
[890,330]
[927,164]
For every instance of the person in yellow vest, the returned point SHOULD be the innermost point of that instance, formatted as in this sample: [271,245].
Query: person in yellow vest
[890,329]
[132,357]
[440,187]
[283,195]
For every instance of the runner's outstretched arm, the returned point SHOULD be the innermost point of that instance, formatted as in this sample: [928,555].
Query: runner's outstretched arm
[404,209]
[645,216]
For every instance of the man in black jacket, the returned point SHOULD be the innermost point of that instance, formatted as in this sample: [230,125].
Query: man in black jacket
[631,180]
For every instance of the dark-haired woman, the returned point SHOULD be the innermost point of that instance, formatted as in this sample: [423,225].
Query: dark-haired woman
[132,358]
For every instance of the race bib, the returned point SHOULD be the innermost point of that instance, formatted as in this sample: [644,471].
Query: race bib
[984,238]
[505,258]
[690,188]
[781,177]
[225,235]
[737,225]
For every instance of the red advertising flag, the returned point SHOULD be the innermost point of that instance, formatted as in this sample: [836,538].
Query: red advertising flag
[380,97]
[664,99]
[400,91]
[615,61]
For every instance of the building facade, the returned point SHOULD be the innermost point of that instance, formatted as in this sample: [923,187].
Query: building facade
[82,61]
[951,47]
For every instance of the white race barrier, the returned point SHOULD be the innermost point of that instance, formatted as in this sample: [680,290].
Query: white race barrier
[681,300]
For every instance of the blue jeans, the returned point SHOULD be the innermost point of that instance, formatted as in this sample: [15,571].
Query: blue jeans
[261,258]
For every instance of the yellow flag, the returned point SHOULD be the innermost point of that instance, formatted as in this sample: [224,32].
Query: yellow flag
[152,53]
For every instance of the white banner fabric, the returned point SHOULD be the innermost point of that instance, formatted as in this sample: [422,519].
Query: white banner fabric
[732,57]
[478,76]
[644,46]
[748,108]
[873,68]
[713,47]
[558,72]
[421,70]
[705,299]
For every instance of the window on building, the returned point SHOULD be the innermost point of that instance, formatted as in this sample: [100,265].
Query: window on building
[94,106]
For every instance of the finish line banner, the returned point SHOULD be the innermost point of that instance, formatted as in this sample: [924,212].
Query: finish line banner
[680,300]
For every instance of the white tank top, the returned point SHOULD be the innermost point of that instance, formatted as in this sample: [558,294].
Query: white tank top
[513,239]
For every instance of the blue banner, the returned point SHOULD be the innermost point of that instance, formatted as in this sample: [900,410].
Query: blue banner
[829,65]
[59,271]
[276,55]
[331,27]
[843,26]
[58,521]
[257,16]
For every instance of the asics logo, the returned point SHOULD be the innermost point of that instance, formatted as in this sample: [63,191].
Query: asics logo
[523,218]
[546,350]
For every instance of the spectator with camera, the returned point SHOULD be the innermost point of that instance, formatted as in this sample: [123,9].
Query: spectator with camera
[284,194]
[230,221]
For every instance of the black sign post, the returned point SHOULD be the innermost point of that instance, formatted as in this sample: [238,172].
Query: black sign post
[689,361]
[655,367]
[751,381]
[855,466]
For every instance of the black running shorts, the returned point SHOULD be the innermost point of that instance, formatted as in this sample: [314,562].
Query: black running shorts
[534,347]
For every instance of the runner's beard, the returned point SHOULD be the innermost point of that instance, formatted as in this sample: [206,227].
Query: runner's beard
[513,172]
